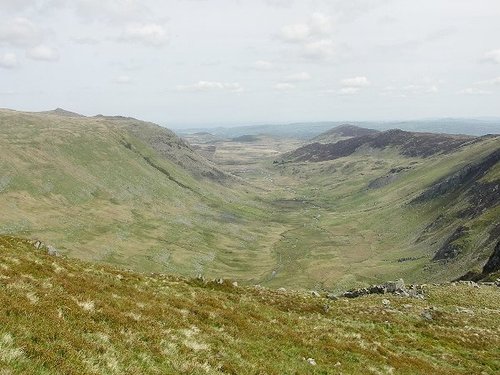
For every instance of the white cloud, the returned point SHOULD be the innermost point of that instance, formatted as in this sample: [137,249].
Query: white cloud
[19,32]
[492,56]
[112,11]
[283,86]
[16,5]
[295,33]
[298,77]
[150,34]
[211,86]
[357,82]
[319,25]
[494,81]
[43,53]
[85,40]
[123,80]
[280,3]
[474,91]
[432,90]
[323,49]
[8,60]
[263,65]
[349,90]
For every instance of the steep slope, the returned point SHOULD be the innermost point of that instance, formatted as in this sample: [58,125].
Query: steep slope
[408,143]
[363,215]
[112,321]
[122,191]
[342,132]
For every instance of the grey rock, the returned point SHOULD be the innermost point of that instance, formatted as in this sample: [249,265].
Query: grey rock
[332,296]
[51,250]
[311,361]
[426,314]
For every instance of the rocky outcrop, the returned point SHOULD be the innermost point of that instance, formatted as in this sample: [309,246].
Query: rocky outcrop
[410,144]
[461,179]
[493,263]
[451,248]
[393,287]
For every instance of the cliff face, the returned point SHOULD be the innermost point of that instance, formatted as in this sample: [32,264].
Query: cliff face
[493,264]
[462,179]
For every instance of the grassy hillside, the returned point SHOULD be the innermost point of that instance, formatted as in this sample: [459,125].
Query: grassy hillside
[120,191]
[111,321]
[356,221]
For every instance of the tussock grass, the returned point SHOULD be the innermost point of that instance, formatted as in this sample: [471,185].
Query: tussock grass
[93,319]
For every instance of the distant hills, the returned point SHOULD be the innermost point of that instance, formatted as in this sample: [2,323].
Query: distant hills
[309,130]
[408,143]
[342,132]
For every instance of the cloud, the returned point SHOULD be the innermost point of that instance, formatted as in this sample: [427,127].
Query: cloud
[8,61]
[295,33]
[19,32]
[150,34]
[319,50]
[280,3]
[356,82]
[85,40]
[349,90]
[318,26]
[313,37]
[493,81]
[432,90]
[263,65]
[43,53]
[298,77]
[122,80]
[474,91]
[492,56]
[201,86]
[283,86]
[111,11]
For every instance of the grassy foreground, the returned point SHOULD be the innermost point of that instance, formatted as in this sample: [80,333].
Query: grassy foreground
[67,316]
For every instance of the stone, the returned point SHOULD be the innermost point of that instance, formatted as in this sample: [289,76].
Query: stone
[332,296]
[386,302]
[394,286]
[311,361]
[51,250]
[426,314]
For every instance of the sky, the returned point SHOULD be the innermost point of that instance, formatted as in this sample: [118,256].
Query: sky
[184,63]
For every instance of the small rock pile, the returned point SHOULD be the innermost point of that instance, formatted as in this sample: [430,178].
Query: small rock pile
[51,250]
[393,287]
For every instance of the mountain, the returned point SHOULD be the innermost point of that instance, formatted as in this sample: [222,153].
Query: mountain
[408,143]
[342,132]
[122,191]
[62,112]
[426,204]
[114,321]
[308,130]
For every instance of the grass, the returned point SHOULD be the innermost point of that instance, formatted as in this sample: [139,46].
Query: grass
[111,321]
